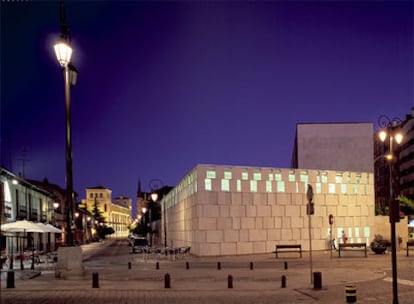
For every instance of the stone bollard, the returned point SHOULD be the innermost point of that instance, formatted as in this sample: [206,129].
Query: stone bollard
[129,265]
[157,265]
[317,280]
[230,281]
[167,281]
[283,281]
[10,279]
[251,266]
[187,265]
[95,280]
[218,265]
[286,265]
[351,294]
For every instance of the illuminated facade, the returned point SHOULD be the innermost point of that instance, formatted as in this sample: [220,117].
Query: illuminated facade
[228,210]
[117,213]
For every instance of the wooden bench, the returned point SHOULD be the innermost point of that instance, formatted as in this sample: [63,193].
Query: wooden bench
[290,246]
[409,244]
[342,246]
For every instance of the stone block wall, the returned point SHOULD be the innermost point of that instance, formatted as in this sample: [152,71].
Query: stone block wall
[246,210]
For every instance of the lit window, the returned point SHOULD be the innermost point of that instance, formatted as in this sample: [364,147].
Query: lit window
[253,186]
[225,185]
[338,178]
[331,188]
[278,177]
[207,184]
[281,186]
[257,176]
[304,177]
[270,176]
[343,188]
[324,177]
[355,189]
[268,186]
[291,176]
[358,179]
[227,175]
[238,185]
[211,174]
[245,175]
[318,188]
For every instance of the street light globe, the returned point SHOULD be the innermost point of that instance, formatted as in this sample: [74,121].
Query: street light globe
[154,196]
[382,135]
[63,52]
[55,205]
[144,210]
[398,138]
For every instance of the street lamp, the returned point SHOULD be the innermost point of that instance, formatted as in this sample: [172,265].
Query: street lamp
[390,129]
[155,185]
[64,52]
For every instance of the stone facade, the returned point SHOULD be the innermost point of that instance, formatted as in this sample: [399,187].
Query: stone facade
[227,210]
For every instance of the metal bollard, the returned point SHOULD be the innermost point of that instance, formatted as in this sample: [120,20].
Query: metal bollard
[317,280]
[218,265]
[230,281]
[286,265]
[251,266]
[187,265]
[129,265]
[95,280]
[167,281]
[351,294]
[157,265]
[10,279]
[283,281]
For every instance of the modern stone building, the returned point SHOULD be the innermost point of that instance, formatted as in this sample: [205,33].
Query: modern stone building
[334,146]
[227,210]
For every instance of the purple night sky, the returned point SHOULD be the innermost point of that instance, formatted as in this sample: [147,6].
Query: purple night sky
[164,86]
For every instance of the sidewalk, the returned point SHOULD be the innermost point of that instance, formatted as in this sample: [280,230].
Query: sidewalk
[203,282]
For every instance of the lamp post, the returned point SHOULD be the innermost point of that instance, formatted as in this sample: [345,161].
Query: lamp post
[390,129]
[155,185]
[63,52]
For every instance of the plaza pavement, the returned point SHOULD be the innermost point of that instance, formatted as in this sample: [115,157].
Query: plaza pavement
[203,282]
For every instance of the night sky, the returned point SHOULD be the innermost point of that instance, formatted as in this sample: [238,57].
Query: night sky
[164,86]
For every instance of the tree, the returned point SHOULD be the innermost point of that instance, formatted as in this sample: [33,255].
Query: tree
[406,205]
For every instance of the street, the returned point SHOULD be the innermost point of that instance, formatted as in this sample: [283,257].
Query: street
[132,278]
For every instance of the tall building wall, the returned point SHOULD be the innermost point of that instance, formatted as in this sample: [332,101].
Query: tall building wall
[219,210]
[334,146]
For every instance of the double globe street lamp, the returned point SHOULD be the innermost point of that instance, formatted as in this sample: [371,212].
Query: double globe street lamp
[391,132]
[156,185]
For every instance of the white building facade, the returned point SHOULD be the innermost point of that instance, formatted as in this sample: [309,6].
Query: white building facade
[228,210]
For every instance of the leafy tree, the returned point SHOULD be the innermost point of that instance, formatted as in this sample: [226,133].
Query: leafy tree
[406,205]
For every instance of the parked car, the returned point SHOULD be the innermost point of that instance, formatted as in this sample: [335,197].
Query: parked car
[139,245]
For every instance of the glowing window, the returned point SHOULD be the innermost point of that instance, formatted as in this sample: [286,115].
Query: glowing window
[338,178]
[318,188]
[253,186]
[211,174]
[355,189]
[238,185]
[324,177]
[268,186]
[291,176]
[278,177]
[207,184]
[343,188]
[304,177]
[227,175]
[245,175]
[270,176]
[281,186]
[257,176]
[225,185]
[331,188]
